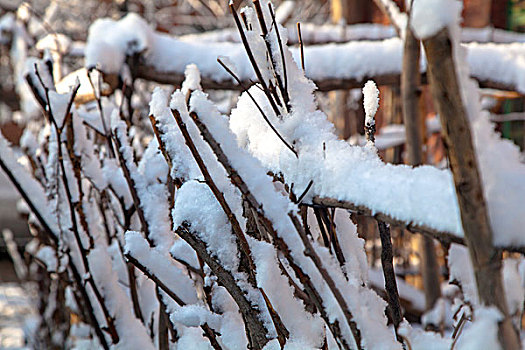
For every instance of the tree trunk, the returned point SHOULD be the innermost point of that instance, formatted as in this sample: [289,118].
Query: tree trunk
[486,260]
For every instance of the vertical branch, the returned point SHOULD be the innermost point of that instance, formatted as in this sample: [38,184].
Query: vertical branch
[486,259]
[410,94]
[301,45]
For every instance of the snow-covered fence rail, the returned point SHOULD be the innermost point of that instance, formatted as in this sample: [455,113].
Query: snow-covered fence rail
[163,58]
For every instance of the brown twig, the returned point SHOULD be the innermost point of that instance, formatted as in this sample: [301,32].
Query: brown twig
[387,262]
[283,61]
[107,136]
[131,186]
[301,45]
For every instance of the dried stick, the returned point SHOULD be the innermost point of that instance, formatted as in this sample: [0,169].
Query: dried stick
[301,45]
[387,262]
[264,30]
[132,188]
[83,252]
[441,236]
[111,153]
[53,237]
[264,34]
[410,95]
[455,126]
[285,77]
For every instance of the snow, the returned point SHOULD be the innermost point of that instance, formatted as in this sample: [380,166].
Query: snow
[369,311]
[48,256]
[421,340]
[370,102]
[196,204]
[132,332]
[462,271]
[482,333]
[28,184]
[356,60]
[428,17]
[344,172]
[17,315]
[58,106]
[149,183]
[193,79]
[160,265]
[109,41]
[59,43]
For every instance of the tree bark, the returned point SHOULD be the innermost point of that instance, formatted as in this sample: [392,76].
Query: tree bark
[486,260]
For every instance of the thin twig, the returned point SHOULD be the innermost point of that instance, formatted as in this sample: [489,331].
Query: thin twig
[254,62]
[301,197]
[111,153]
[285,96]
[387,257]
[301,45]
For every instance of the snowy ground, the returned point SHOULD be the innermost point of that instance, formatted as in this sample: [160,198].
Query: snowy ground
[16,312]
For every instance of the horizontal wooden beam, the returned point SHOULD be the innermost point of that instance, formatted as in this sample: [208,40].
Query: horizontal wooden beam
[174,78]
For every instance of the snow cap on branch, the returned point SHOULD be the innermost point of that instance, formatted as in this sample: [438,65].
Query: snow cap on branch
[371,104]
[370,101]
[428,17]
[193,78]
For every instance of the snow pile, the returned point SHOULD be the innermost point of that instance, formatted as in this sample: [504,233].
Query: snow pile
[109,41]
